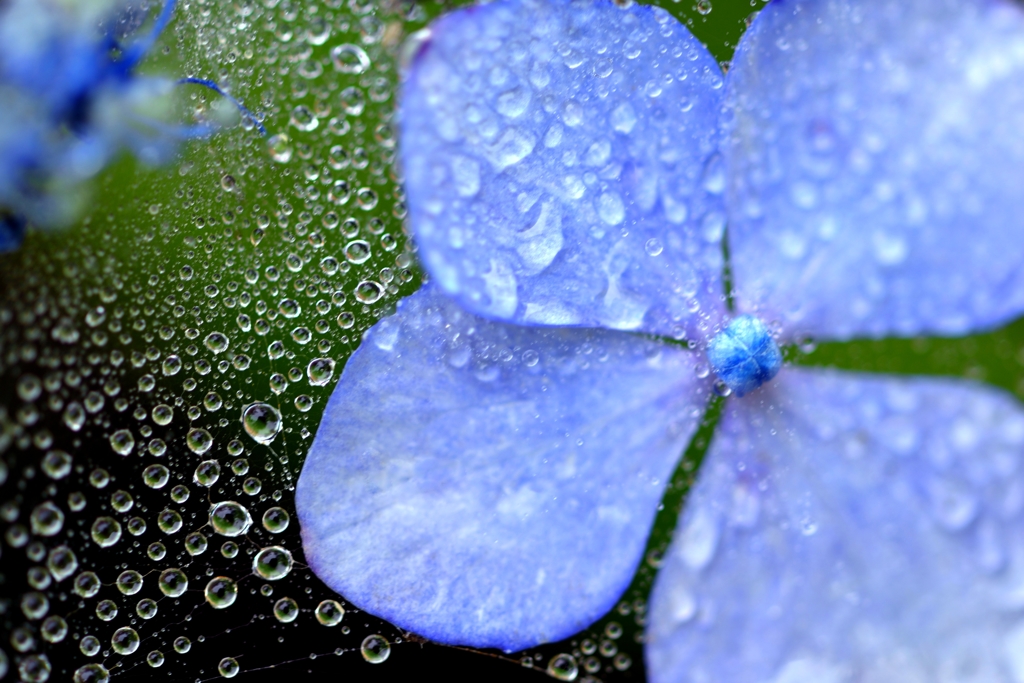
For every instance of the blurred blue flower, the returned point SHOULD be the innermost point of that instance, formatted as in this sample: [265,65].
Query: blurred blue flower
[72,100]
[488,468]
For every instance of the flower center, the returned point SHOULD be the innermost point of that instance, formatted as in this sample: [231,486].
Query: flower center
[744,355]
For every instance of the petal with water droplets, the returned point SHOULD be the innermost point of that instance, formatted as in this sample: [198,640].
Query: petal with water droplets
[847,528]
[874,161]
[545,143]
[489,484]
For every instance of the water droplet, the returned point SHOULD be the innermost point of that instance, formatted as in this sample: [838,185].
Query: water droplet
[276,520]
[207,473]
[563,667]
[221,592]
[280,148]
[182,645]
[375,649]
[87,584]
[169,521]
[368,291]
[173,582]
[349,58]
[286,610]
[654,247]
[125,641]
[199,441]
[229,518]
[156,476]
[303,119]
[146,608]
[129,582]
[54,629]
[196,543]
[162,414]
[357,251]
[262,422]
[122,442]
[155,659]
[47,519]
[228,667]
[217,342]
[704,7]
[56,464]
[61,562]
[91,673]
[272,563]
[353,101]
[320,371]
[329,612]
[74,416]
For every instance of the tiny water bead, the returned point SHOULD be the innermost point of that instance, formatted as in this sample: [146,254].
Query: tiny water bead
[62,562]
[375,649]
[56,464]
[162,414]
[229,518]
[221,592]
[106,610]
[92,673]
[272,563]
[330,612]
[217,342]
[173,582]
[182,645]
[199,441]
[262,422]
[563,667]
[744,355]
[87,584]
[106,531]
[196,543]
[286,610]
[47,519]
[276,520]
[320,371]
[207,473]
[169,521]
[129,582]
[155,476]
[125,641]
[122,442]
[53,629]
[89,645]
[228,667]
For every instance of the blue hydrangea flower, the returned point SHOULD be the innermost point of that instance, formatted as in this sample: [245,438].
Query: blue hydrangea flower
[493,456]
[72,100]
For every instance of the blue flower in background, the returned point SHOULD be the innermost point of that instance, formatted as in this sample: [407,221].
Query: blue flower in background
[489,465]
[71,100]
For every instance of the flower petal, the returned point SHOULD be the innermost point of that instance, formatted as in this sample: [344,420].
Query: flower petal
[561,165]
[492,485]
[874,166]
[850,527]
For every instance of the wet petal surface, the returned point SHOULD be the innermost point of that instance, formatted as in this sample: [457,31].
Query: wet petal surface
[561,165]
[488,484]
[874,164]
[850,528]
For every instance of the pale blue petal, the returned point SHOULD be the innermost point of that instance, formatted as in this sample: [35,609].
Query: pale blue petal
[488,484]
[875,166]
[561,167]
[851,528]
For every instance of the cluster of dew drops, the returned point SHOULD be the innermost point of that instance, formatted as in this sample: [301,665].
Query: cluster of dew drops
[162,369]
